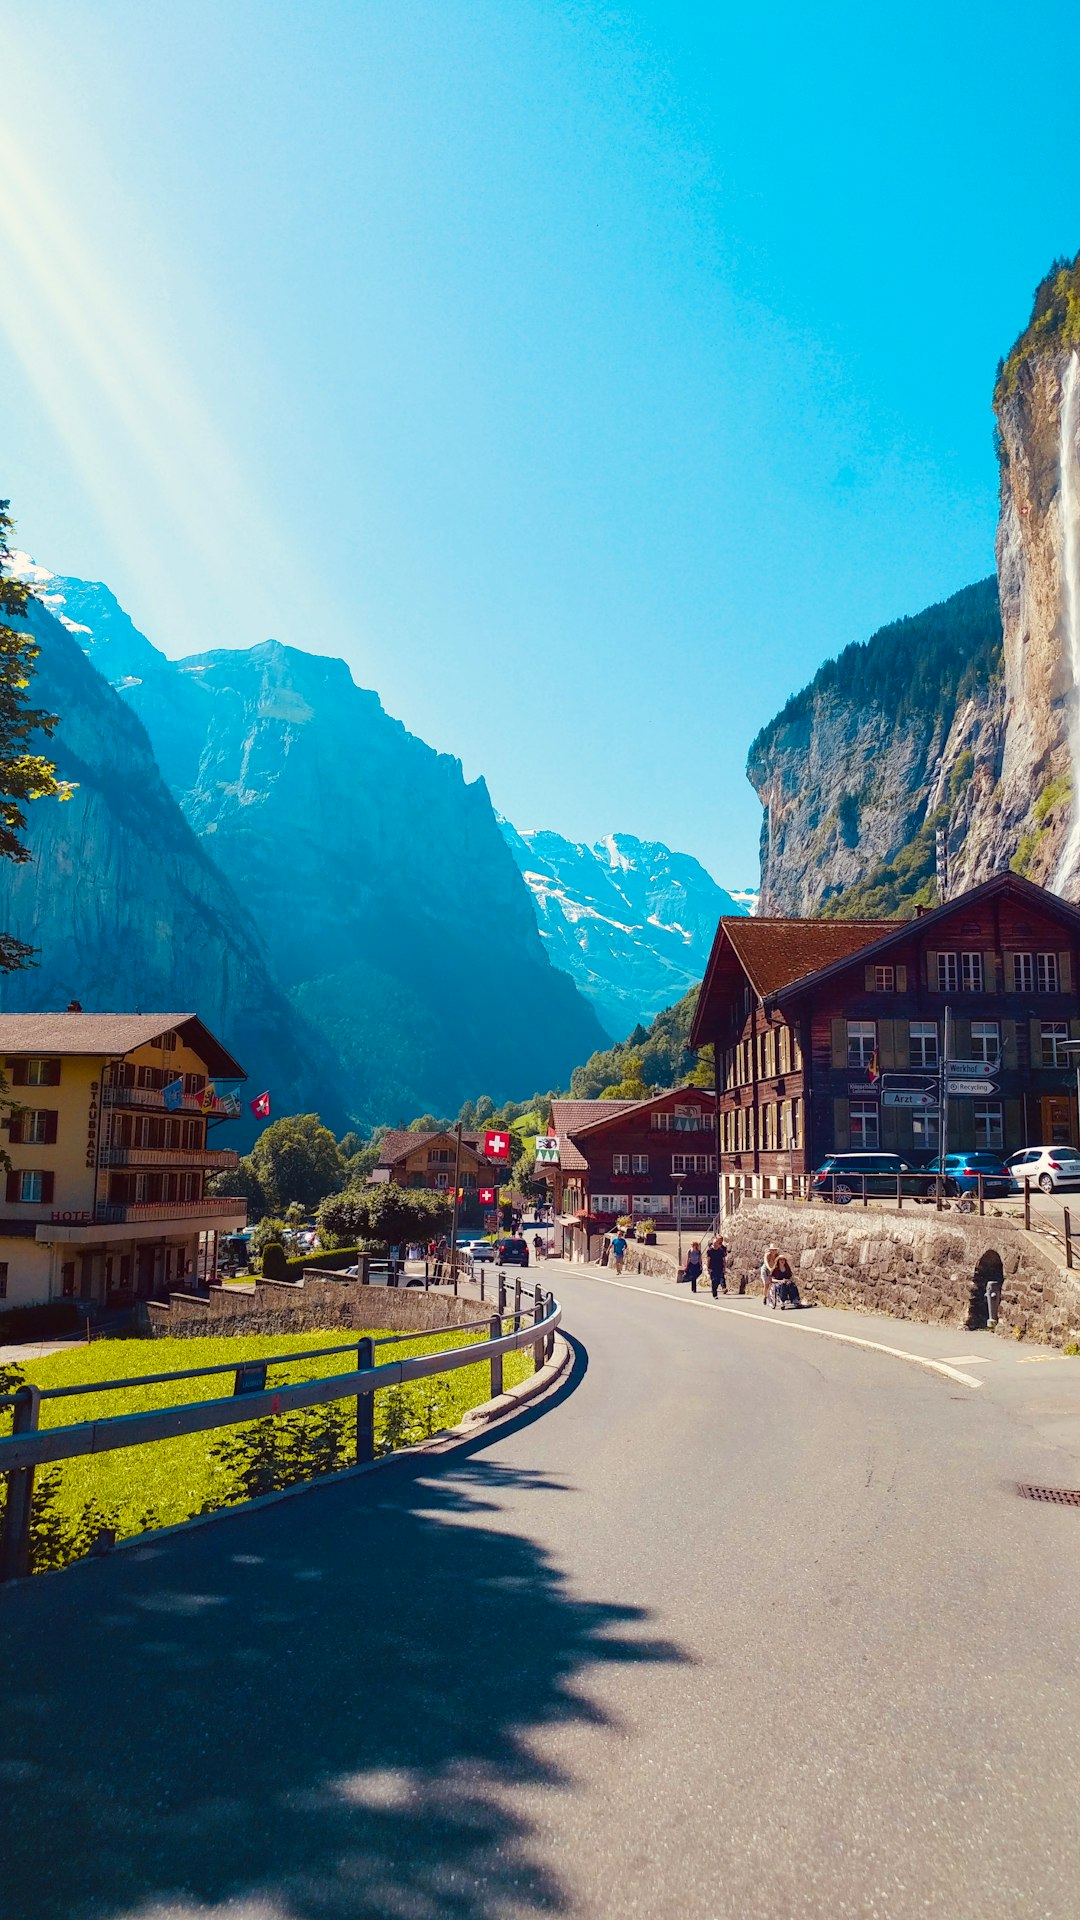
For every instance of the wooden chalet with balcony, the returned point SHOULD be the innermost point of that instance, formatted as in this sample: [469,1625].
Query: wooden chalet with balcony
[642,1158]
[813,1021]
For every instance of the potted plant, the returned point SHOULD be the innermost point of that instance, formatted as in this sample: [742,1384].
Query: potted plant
[645,1232]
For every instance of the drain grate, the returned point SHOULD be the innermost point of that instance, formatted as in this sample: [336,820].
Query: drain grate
[1060,1496]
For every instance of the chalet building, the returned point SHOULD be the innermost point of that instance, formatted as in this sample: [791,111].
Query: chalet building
[814,1021]
[635,1157]
[105,1198]
[427,1160]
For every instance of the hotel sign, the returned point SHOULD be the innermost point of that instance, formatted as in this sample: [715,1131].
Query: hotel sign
[92,1126]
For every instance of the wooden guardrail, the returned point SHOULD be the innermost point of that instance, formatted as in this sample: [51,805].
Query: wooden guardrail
[30,1446]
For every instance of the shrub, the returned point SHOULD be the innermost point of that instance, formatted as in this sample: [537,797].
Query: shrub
[274,1264]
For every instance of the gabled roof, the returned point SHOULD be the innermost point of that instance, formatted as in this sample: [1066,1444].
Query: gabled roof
[785,958]
[401,1141]
[893,933]
[613,1108]
[569,1116]
[773,953]
[107,1035]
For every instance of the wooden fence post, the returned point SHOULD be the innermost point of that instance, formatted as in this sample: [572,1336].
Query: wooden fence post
[15,1562]
[495,1330]
[365,1404]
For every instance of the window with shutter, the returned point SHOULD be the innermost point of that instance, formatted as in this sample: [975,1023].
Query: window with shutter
[48,1182]
[18,1072]
[15,1129]
[12,1192]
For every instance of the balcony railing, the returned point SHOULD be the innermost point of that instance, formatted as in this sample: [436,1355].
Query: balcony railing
[117,1212]
[112,1096]
[214,1159]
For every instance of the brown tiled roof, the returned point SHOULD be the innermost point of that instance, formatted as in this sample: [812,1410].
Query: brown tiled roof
[777,952]
[109,1034]
[401,1141]
[569,1116]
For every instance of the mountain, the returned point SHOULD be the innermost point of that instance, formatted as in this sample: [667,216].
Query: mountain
[386,900]
[898,734]
[630,921]
[964,721]
[658,1055]
[125,904]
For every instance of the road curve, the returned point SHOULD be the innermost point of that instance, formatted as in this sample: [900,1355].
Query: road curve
[737,1627]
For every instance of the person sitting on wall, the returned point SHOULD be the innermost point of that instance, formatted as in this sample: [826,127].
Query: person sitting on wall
[778,1280]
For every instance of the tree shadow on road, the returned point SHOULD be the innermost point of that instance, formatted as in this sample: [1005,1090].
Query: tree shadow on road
[320,1709]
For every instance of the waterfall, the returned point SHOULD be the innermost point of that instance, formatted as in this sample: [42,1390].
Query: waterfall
[1069,508]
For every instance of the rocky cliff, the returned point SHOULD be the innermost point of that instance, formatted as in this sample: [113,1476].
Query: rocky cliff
[897,735]
[1034,817]
[124,904]
[629,919]
[948,720]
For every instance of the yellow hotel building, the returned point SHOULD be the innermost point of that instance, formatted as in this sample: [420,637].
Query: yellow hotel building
[105,1197]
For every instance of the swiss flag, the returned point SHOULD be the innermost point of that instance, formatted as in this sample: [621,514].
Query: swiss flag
[261,1106]
[487,1196]
[496,1146]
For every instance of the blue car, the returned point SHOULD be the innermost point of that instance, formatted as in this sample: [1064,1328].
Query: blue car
[962,1172]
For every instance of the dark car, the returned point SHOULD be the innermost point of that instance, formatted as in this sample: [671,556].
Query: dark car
[962,1171]
[842,1176]
[513,1253]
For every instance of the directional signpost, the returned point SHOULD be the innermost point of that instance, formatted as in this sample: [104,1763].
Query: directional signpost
[918,1097]
[971,1069]
[962,1087]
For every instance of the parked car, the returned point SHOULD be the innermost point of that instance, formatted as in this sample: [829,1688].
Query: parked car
[962,1172]
[842,1175]
[513,1253]
[1047,1167]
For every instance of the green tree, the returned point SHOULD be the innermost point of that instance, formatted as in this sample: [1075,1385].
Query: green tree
[296,1158]
[23,776]
[244,1182]
[386,1213]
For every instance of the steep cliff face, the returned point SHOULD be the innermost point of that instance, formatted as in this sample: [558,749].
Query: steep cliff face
[1034,818]
[629,919]
[856,774]
[898,734]
[123,902]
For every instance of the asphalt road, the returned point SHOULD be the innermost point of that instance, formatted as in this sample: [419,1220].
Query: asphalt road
[746,1623]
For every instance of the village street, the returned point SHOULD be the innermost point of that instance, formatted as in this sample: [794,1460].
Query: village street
[743,1624]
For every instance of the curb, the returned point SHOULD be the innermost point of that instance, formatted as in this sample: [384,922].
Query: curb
[487,1414]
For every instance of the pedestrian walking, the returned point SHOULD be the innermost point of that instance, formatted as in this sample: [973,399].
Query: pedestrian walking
[716,1260]
[693,1269]
[618,1250]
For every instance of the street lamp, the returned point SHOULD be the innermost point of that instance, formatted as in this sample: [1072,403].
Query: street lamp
[678,1213]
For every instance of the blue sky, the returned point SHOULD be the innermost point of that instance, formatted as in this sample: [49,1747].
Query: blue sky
[584,374]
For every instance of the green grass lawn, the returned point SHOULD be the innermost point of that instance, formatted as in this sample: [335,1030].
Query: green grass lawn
[166,1481]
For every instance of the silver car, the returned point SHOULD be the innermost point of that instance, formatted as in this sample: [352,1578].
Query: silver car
[1046,1167]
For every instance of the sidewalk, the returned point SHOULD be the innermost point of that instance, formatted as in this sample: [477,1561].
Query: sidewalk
[1038,1384]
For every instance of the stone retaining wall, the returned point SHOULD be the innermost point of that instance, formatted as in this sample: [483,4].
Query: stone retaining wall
[278,1306]
[638,1259]
[916,1264]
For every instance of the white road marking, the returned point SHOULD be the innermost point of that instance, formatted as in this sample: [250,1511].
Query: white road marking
[797,1326]
[970,1360]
